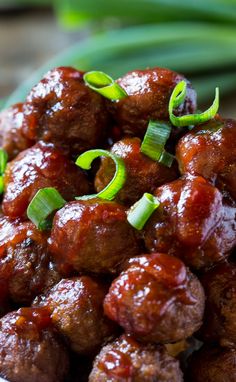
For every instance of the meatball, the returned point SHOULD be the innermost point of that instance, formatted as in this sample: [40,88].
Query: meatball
[76,307]
[25,266]
[220,315]
[92,236]
[40,166]
[143,174]
[192,223]
[157,299]
[30,349]
[12,139]
[61,109]
[209,150]
[127,360]
[149,92]
[213,364]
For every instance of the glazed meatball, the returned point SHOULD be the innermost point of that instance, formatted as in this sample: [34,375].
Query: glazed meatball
[143,174]
[213,364]
[61,109]
[30,349]
[40,166]
[149,92]
[157,299]
[192,223]
[92,236]
[220,315]
[12,139]
[25,266]
[76,307]
[127,360]
[209,150]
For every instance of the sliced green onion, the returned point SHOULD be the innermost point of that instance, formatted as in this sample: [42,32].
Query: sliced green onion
[166,158]
[154,142]
[43,204]
[178,96]
[3,165]
[109,192]
[141,211]
[103,84]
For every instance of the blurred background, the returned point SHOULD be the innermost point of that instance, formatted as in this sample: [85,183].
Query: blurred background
[195,37]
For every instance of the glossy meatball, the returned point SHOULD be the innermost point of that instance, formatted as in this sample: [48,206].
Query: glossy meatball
[209,150]
[192,223]
[12,139]
[143,174]
[149,92]
[30,349]
[25,266]
[220,315]
[213,364]
[92,236]
[40,166]
[76,307]
[157,299]
[61,109]
[128,361]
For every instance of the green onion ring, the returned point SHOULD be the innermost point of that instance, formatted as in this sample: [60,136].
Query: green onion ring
[154,141]
[141,211]
[3,165]
[103,84]
[43,204]
[177,97]
[109,192]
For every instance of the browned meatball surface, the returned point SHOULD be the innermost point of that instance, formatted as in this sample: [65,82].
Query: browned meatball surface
[210,150]
[128,361]
[213,364]
[12,139]
[25,266]
[61,109]
[30,350]
[220,315]
[192,223]
[143,174]
[40,166]
[149,92]
[92,236]
[76,307]
[157,299]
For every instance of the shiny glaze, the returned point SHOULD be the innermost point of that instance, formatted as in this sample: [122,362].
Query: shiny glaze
[192,222]
[143,174]
[126,360]
[76,307]
[209,150]
[148,92]
[61,109]
[148,291]
[25,266]
[220,315]
[40,166]
[92,236]
[12,139]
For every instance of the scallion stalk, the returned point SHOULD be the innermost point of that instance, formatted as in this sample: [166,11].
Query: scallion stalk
[141,211]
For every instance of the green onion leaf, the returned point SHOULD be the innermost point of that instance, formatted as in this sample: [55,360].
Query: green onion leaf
[43,204]
[178,96]
[154,142]
[3,161]
[3,165]
[109,192]
[141,211]
[155,139]
[103,84]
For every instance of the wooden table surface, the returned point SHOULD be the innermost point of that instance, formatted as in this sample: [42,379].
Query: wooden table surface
[28,39]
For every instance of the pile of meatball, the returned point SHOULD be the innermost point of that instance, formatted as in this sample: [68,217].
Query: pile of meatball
[93,299]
